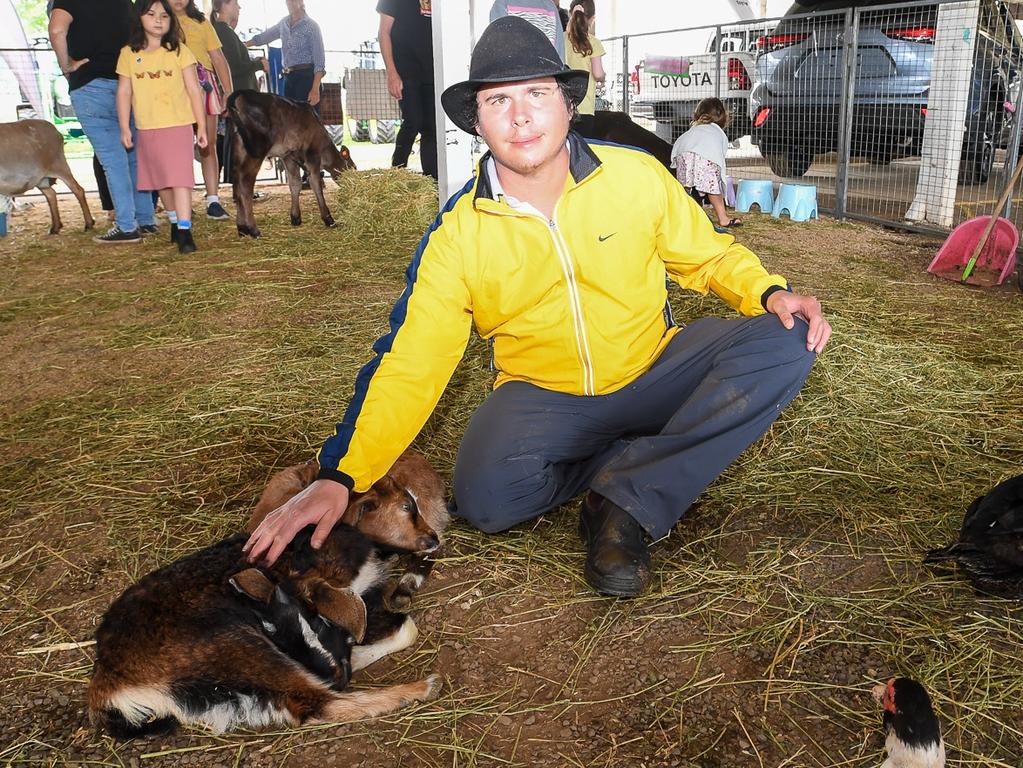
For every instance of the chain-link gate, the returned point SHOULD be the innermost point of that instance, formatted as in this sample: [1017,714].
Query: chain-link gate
[898,113]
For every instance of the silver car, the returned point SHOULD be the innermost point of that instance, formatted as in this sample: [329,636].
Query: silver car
[796,103]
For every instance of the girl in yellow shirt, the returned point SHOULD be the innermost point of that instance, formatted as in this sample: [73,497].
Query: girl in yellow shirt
[202,40]
[157,80]
[583,50]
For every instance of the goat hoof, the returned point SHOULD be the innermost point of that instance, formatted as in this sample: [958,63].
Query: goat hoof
[296,221]
[89,225]
[329,221]
[54,230]
[399,602]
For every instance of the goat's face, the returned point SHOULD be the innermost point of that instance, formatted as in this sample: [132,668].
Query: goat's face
[389,515]
[340,160]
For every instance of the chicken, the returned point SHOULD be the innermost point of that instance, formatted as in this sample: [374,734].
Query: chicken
[990,546]
[913,732]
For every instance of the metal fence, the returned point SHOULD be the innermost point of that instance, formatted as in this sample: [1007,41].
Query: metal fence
[903,114]
[906,114]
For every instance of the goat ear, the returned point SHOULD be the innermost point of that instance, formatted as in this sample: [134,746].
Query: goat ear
[253,583]
[360,506]
[342,607]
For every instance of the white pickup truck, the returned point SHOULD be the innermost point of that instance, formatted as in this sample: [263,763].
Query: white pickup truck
[669,86]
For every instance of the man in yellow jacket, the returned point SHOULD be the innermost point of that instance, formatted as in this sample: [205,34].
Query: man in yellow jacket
[557,252]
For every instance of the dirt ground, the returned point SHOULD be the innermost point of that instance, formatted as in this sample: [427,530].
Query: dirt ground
[147,397]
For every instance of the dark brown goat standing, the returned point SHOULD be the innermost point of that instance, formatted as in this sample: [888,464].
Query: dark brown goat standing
[271,126]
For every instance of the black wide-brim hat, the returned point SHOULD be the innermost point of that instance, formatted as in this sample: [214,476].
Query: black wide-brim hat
[509,50]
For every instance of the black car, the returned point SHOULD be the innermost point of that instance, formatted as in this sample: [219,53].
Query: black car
[796,104]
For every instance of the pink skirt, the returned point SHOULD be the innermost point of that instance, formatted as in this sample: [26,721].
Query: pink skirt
[165,157]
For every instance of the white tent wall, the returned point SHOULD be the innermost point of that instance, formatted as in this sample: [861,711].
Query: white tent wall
[452,45]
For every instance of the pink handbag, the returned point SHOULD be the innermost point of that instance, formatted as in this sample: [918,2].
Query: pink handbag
[213,95]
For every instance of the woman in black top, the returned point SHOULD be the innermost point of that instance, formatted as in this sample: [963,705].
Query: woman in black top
[243,69]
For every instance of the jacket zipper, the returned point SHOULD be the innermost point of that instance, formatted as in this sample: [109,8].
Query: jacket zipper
[582,343]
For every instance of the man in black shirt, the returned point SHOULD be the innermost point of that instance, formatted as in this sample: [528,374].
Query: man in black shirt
[406,42]
[87,36]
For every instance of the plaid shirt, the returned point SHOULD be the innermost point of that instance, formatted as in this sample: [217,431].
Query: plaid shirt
[301,42]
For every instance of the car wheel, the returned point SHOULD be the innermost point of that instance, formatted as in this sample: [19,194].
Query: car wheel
[978,156]
[792,161]
[336,133]
[385,132]
[359,130]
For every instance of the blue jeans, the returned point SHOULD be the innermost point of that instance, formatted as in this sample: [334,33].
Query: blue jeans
[95,104]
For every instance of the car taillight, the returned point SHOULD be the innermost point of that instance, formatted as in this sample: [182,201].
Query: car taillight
[738,79]
[923,112]
[634,79]
[774,42]
[912,34]
[761,117]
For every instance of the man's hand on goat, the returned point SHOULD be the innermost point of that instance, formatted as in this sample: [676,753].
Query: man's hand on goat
[322,502]
[394,85]
[74,65]
[785,304]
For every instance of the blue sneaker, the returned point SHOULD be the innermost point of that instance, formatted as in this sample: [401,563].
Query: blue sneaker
[216,211]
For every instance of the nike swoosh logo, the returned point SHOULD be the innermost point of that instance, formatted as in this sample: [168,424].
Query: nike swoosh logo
[602,238]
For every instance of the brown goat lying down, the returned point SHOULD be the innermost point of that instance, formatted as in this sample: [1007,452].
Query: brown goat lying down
[210,640]
[272,126]
[32,155]
[412,473]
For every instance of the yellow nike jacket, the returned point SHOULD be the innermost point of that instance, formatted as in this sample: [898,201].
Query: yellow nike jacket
[575,304]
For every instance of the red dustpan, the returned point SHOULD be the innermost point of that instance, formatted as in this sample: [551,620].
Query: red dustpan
[994,262]
[981,251]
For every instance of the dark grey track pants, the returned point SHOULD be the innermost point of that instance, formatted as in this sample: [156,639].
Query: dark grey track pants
[652,447]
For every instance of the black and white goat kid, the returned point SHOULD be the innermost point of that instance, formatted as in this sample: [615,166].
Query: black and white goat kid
[182,645]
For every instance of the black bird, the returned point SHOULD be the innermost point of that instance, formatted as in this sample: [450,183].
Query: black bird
[990,546]
[912,731]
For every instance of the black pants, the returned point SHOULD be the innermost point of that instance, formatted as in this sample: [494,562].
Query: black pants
[418,117]
[297,86]
[101,185]
[651,447]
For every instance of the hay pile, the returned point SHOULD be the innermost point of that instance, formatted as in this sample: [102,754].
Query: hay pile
[149,396]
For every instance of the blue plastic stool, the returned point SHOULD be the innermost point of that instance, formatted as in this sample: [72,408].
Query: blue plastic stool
[729,192]
[755,192]
[3,224]
[798,200]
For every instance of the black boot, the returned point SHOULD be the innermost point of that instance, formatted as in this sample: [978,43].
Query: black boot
[174,234]
[185,242]
[617,560]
